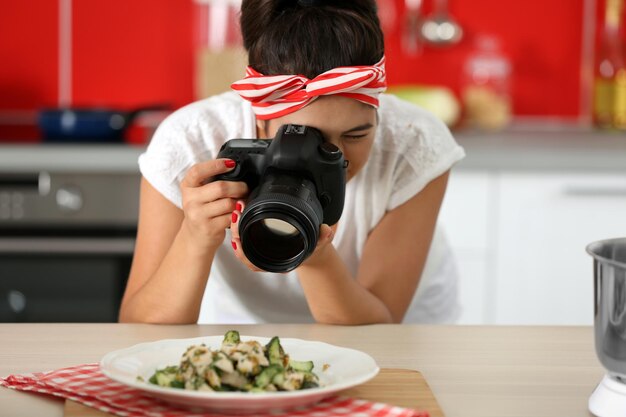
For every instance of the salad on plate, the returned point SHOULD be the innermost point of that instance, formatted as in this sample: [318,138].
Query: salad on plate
[244,366]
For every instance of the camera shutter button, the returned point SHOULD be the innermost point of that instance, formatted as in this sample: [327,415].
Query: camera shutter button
[330,151]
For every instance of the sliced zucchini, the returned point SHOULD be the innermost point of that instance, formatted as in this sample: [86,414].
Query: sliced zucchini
[267,376]
[309,384]
[226,388]
[177,384]
[164,379]
[231,336]
[275,352]
[279,379]
[301,366]
[310,376]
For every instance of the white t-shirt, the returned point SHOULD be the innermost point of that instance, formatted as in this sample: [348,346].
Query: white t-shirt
[410,149]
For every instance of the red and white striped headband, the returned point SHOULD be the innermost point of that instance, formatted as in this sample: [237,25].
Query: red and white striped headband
[277,95]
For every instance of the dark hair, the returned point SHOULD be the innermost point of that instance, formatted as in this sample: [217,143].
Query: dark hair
[309,38]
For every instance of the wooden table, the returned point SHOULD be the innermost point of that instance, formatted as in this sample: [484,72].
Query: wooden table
[473,371]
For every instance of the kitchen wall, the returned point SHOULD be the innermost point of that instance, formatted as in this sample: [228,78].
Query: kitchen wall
[132,53]
[543,40]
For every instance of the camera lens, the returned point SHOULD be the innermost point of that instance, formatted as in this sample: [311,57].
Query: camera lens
[280,227]
[272,243]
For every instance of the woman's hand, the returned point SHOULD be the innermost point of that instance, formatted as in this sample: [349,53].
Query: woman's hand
[325,238]
[208,206]
[236,242]
[327,233]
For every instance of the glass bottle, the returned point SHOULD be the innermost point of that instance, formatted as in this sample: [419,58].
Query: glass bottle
[486,86]
[609,109]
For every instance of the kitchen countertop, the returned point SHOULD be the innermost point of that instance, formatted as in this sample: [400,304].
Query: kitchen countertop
[558,150]
[69,157]
[473,371]
[563,149]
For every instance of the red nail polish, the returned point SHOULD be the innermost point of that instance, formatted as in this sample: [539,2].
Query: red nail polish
[233,218]
[238,207]
[230,163]
[234,244]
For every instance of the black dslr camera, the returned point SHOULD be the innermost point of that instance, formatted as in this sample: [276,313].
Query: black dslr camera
[298,182]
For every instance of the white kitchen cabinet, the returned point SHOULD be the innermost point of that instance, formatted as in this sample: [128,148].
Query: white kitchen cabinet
[519,239]
[465,217]
[544,221]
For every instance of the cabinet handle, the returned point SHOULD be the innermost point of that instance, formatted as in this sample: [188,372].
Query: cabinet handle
[587,191]
[26,182]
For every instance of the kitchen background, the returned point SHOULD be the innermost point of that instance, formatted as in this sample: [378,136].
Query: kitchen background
[540,181]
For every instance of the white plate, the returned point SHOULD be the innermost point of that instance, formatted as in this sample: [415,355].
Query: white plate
[348,367]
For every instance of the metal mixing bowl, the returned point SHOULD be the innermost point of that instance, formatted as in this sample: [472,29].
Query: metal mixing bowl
[610,304]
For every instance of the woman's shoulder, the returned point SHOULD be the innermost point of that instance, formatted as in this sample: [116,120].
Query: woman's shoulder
[404,124]
[412,148]
[215,115]
[191,134]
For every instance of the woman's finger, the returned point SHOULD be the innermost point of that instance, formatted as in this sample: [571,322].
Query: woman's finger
[326,235]
[201,172]
[220,189]
[236,239]
[221,207]
[236,243]
[221,222]
[236,216]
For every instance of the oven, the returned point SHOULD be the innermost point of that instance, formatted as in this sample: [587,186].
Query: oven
[66,244]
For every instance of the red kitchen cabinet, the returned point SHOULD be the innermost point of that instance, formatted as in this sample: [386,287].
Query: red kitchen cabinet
[28,54]
[132,53]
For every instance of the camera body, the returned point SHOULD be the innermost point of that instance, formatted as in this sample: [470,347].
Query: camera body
[309,167]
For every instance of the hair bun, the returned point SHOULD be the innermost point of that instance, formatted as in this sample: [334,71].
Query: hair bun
[308,3]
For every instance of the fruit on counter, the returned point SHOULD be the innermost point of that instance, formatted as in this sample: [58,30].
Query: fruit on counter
[438,100]
[485,108]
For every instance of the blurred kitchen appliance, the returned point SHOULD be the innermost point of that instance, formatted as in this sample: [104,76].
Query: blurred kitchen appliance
[220,56]
[66,240]
[609,398]
[87,125]
[609,105]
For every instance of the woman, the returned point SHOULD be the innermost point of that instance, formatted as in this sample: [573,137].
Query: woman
[321,64]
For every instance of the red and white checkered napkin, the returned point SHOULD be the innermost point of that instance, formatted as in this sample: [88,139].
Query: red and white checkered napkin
[86,385]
